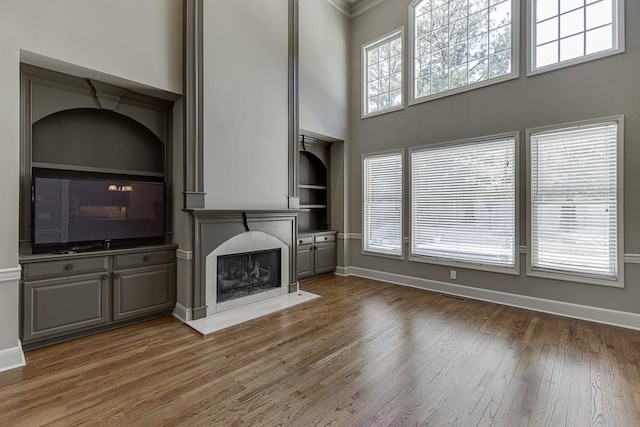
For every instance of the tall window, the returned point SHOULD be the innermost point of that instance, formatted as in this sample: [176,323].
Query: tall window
[382,200]
[575,193]
[459,45]
[382,60]
[463,203]
[565,32]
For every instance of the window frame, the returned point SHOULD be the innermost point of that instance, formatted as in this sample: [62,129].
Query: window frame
[399,32]
[366,251]
[515,270]
[618,21]
[582,278]
[515,59]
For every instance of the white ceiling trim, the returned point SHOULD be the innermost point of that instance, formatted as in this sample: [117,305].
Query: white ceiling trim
[353,8]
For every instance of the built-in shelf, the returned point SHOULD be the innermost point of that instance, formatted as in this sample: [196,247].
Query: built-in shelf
[57,166]
[313,206]
[313,187]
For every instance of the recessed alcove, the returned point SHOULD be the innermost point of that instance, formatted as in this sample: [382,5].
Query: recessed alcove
[96,140]
[80,127]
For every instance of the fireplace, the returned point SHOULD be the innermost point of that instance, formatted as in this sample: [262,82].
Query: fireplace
[244,274]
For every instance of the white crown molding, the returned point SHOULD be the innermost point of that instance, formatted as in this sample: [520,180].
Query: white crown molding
[12,358]
[10,274]
[583,312]
[342,6]
[354,8]
[362,6]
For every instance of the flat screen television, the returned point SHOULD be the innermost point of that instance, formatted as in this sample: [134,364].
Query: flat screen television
[75,213]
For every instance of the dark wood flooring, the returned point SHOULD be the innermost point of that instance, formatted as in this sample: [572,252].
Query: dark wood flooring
[366,353]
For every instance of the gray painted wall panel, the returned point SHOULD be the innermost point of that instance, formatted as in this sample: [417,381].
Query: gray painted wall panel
[598,88]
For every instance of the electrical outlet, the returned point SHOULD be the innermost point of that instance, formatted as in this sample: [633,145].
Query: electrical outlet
[452,274]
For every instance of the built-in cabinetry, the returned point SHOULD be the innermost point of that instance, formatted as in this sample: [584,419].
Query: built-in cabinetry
[316,253]
[64,296]
[316,242]
[81,128]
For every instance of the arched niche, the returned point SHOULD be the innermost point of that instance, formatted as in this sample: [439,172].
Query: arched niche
[96,140]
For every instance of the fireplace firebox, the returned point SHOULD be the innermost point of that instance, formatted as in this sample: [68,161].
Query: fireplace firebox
[248,273]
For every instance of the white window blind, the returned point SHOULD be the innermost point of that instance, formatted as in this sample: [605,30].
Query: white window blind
[383,203]
[574,200]
[463,200]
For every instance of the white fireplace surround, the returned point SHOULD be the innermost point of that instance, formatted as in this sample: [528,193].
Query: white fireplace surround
[248,241]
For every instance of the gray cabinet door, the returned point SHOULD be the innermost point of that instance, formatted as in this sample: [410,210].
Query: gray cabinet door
[305,261]
[142,291]
[57,306]
[325,257]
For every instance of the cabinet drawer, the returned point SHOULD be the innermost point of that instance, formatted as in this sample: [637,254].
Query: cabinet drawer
[325,238]
[305,240]
[76,266]
[142,259]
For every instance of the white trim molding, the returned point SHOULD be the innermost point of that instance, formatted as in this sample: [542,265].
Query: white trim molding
[350,236]
[10,274]
[351,8]
[182,254]
[565,309]
[632,258]
[12,358]
[182,313]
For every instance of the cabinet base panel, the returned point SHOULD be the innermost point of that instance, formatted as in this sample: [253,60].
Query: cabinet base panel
[26,346]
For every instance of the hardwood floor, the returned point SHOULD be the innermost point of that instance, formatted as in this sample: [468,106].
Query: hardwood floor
[367,353]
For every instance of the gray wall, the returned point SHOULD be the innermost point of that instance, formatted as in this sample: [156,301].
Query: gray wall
[134,42]
[595,89]
[323,47]
[246,104]
[324,61]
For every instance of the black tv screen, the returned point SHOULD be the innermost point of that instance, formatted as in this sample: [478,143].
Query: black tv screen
[70,211]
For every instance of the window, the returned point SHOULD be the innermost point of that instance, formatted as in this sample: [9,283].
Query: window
[383,86]
[575,202]
[463,203]
[382,176]
[459,45]
[565,32]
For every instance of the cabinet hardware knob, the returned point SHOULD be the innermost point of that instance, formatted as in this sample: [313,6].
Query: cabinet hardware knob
[68,267]
[104,277]
[116,276]
[145,258]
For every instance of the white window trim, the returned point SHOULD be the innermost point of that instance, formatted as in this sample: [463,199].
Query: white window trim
[402,213]
[515,270]
[375,43]
[618,20]
[515,59]
[577,277]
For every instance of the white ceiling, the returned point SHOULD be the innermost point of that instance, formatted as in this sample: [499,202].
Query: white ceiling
[352,8]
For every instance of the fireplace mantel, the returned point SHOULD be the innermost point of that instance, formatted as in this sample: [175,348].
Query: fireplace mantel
[211,228]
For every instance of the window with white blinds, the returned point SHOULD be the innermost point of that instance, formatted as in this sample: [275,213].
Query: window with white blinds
[463,202]
[382,201]
[575,204]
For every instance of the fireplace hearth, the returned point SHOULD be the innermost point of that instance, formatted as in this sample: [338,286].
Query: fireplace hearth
[248,273]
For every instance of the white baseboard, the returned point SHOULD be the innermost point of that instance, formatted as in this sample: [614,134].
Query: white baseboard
[182,313]
[576,311]
[12,358]
[342,271]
